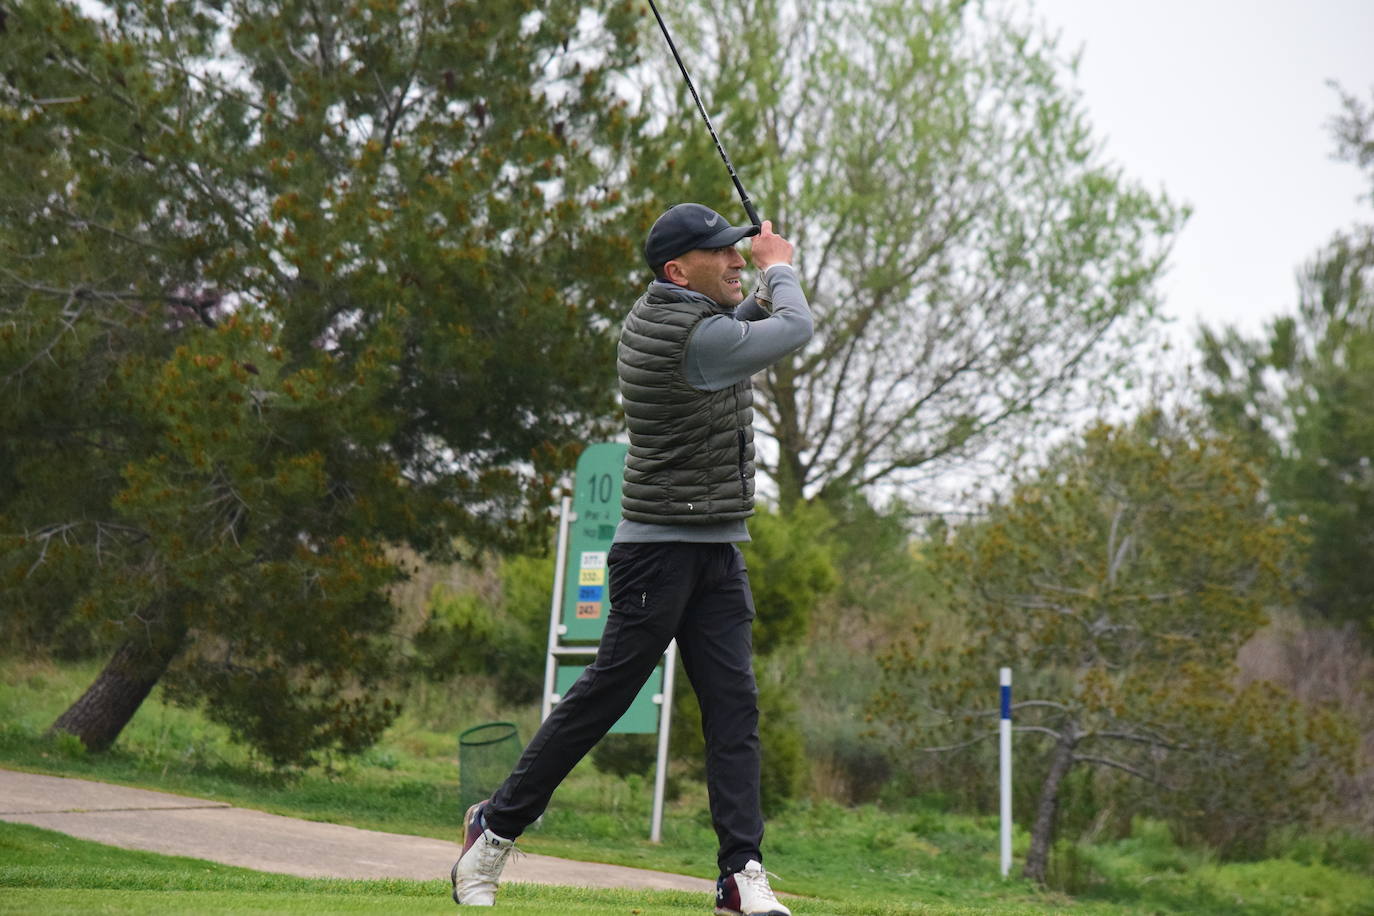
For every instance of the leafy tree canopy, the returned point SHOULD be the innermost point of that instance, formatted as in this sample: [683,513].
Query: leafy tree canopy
[283,283]
[1300,393]
[1118,583]
[970,257]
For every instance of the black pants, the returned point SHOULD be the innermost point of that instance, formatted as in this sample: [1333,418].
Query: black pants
[698,593]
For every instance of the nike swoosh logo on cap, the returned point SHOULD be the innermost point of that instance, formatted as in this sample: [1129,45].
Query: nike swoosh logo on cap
[715,218]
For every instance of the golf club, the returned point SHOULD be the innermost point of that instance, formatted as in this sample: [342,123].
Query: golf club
[743,197]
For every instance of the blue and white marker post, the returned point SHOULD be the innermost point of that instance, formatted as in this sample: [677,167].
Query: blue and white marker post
[1006,770]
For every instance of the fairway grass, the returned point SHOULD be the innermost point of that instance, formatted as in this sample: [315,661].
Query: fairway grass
[42,871]
[910,856]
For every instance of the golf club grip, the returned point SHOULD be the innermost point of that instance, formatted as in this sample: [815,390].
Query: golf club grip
[749,209]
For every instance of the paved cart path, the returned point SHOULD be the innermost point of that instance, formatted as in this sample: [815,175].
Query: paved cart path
[206,829]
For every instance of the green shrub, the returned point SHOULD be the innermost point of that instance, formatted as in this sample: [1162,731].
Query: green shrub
[626,755]
[791,567]
[68,745]
[785,766]
[1072,870]
[501,636]
[1345,849]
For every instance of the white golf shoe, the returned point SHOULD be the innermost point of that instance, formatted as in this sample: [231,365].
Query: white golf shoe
[746,893]
[477,873]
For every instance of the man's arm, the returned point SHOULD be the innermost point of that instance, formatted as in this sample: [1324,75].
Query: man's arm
[725,350]
[751,309]
[768,250]
[755,305]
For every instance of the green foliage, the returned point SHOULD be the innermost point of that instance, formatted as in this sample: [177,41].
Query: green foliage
[791,568]
[1345,849]
[1354,132]
[785,765]
[66,745]
[1118,582]
[271,277]
[785,769]
[626,755]
[500,636]
[882,572]
[1149,864]
[881,585]
[969,255]
[1262,761]
[1299,394]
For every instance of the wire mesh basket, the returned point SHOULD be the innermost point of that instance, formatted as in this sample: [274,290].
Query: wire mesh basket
[486,755]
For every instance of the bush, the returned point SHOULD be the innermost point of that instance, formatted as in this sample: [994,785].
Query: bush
[502,636]
[1072,870]
[852,767]
[791,567]
[785,768]
[1344,849]
[626,755]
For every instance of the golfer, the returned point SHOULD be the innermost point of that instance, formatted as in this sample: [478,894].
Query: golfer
[687,352]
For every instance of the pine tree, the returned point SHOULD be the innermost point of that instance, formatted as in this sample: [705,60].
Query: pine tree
[285,284]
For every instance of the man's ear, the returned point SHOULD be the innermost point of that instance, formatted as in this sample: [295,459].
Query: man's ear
[673,272]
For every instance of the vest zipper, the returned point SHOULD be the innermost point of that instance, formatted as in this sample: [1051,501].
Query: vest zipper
[739,439]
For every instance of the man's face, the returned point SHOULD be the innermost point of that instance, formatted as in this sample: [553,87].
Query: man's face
[713,272]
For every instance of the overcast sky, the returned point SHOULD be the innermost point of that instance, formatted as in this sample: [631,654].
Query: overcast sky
[1224,104]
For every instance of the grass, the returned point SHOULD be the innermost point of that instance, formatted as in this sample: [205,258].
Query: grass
[894,861]
[49,872]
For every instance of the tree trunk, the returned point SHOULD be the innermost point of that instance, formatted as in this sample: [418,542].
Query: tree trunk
[110,702]
[1042,833]
[790,474]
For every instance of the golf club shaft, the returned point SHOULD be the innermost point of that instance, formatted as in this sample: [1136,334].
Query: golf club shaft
[743,197]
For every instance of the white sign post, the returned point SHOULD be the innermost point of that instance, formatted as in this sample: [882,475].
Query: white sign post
[665,703]
[1005,756]
[586,526]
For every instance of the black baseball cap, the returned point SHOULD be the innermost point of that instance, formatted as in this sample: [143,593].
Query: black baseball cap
[688,226]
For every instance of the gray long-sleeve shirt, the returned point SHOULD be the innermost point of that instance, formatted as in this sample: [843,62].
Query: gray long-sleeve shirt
[724,350]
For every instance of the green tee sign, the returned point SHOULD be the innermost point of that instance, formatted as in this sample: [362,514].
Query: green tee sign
[596,513]
[642,716]
[577,615]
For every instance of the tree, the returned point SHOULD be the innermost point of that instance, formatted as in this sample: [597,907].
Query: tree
[1300,394]
[272,275]
[970,258]
[1118,582]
